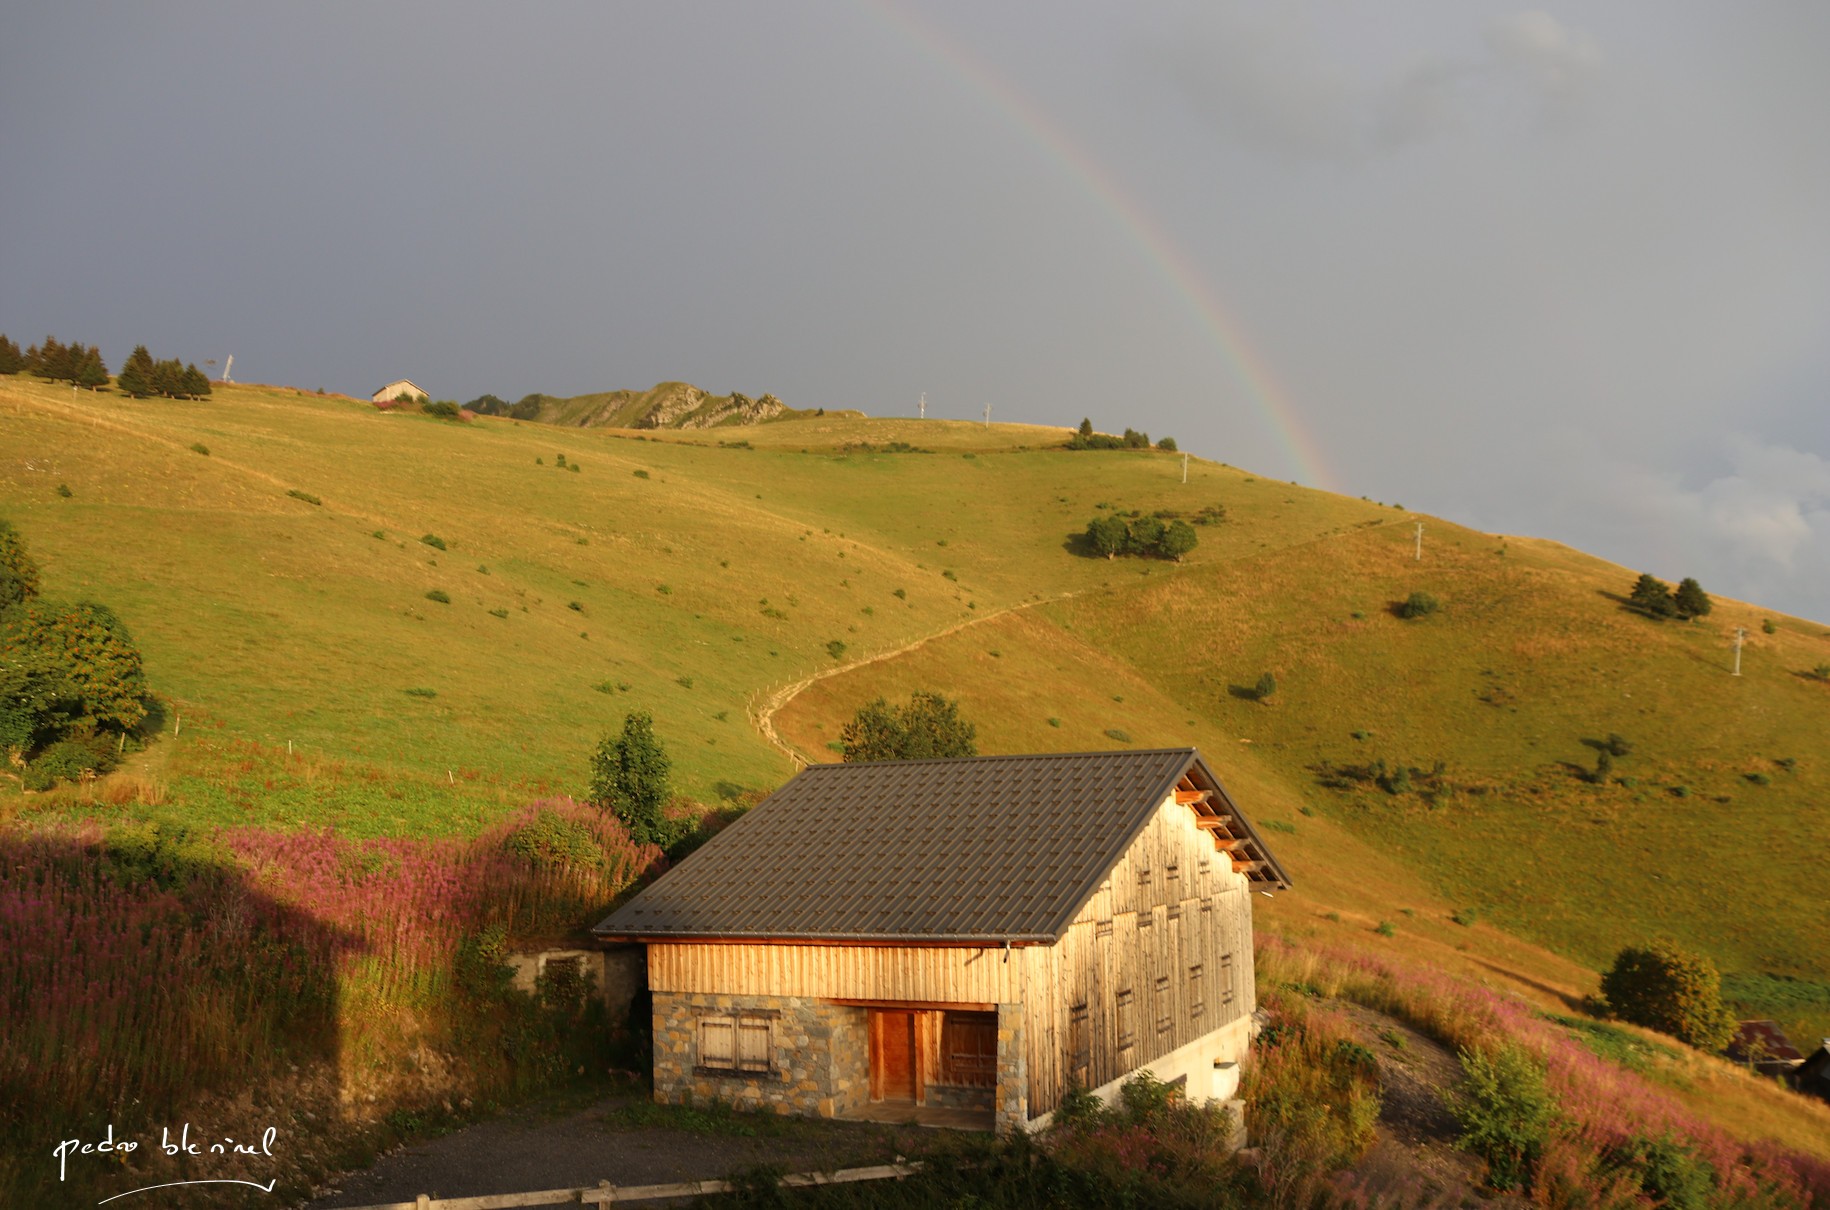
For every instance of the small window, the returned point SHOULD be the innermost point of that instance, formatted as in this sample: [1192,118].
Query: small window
[1226,978]
[1174,912]
[1143,871]
[1172,871]
[1165,1021]
[1103,929]
[1207,905]
[1197,1005]
[739,1043]
[1127,1026]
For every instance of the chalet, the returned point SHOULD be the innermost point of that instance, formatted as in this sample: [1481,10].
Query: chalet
[1812,1077]
[959,940]
[394,390]
[1763,1046]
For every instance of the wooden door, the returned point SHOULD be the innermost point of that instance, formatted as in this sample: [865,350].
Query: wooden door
[894,1067]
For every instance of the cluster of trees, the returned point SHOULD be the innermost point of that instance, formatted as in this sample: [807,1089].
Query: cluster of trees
[142,377]
[929,727]
[72,689]
[1650,596]
[1085,438]
[526,408]
[73,363]
[1113,535]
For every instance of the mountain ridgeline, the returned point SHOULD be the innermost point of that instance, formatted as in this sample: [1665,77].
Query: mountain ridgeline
[667,405]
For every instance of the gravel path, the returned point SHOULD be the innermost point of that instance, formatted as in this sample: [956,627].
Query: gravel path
[528,1150]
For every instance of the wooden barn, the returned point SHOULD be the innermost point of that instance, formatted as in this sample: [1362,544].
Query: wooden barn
[959,940]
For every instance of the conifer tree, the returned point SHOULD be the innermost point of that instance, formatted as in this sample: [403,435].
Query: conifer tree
[89,369]
[11,359]
[629,776]
[136,377]
[1651,595]
[196,382]
[1690,601]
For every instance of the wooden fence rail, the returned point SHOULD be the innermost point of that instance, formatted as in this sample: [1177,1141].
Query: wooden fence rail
[605,1194]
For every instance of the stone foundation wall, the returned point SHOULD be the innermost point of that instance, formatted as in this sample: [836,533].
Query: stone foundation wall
[817,1062]
[958,1096]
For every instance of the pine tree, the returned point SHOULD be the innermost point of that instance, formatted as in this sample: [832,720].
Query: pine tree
[50,359]
[196,382]
[1651,595]
[1690,601]
[136,377]
[1086,428]
[168,378]
[18,573]
[90,370]
[11,359]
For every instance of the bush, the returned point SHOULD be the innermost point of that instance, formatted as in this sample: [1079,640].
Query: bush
[836,648]
[1266,686]
[1116,735]
[550,840]
[1671,990]
[445,409]
[1418,605]
[433,540]
[929,726]
[201,448]
[1504,1112]
[439,595]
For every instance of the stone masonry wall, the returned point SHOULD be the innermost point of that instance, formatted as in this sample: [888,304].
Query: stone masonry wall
[819,1053]
[1012,1109]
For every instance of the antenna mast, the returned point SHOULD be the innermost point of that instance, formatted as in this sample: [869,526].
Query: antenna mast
[226,367]
[923,405]
[1419,541]
[988,415]
[1740,634]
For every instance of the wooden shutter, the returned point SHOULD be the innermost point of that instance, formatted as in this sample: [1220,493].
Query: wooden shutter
[718,1042]
[969,1049]
[753,1044]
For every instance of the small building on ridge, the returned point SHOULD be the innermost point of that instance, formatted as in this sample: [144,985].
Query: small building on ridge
[394,390]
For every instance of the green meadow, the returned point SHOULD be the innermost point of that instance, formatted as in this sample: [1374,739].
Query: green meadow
[1409,769]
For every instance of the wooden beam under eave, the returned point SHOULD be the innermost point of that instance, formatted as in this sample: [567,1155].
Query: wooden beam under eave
[1211,822]
[1247,867]
[1190,797]
[1227,844]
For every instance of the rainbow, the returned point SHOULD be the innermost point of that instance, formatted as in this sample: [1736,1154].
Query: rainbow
[1253,372]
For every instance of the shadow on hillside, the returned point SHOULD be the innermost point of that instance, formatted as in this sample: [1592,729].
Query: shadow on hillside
[151,984]
[1814,677]
[1578,1004]
[1245,693]
[1080,546]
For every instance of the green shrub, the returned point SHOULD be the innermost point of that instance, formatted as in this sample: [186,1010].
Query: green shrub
[439,595]
[1113,733]
[201,448]
[1768,626]
[1504,1112]
[575,606]
[1821,672]
[1671,990]
[685,682]
[1386,929]
[1418,605]
[639,474]
[836,648]
[1465,917]
[433,540]
[1671,1173]
[550,840]
[498,613]
[1054,722]
[1266,686]
[630,778]
[445,409]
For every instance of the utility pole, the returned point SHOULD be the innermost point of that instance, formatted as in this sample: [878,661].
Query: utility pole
[988,415]
[227,366]
[1420,541]
[1185,466]
[923,405]
[1740,634]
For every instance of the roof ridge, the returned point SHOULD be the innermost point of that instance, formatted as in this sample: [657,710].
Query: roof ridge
[955,760]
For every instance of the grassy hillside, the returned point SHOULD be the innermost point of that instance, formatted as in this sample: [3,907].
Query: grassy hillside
[696,574]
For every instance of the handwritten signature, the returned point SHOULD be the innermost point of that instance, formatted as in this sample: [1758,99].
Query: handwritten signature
[182,1144]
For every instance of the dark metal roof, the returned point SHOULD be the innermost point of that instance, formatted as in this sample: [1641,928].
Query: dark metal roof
[982,850]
